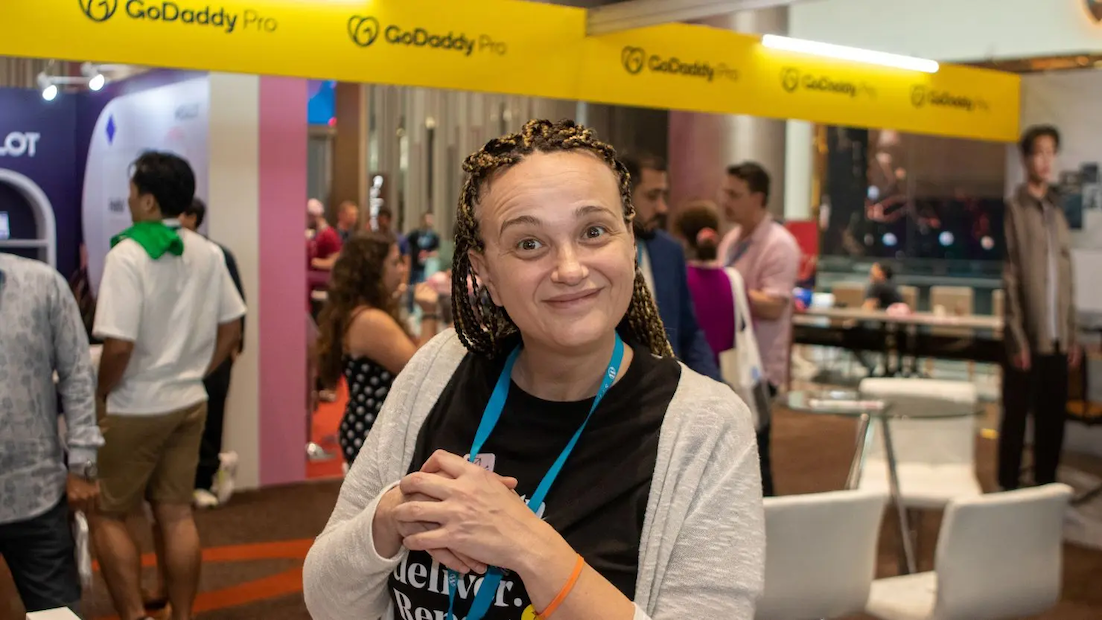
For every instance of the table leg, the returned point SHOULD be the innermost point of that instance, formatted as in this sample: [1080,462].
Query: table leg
[907,566]
[855,467]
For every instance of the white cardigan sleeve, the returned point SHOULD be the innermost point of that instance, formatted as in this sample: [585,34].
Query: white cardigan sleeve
[711,538]
[344,576]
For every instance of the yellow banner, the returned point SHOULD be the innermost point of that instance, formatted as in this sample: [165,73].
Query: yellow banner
[512,47]
[491,45]
[679,66]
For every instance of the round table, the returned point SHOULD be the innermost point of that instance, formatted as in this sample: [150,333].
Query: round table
[853,404]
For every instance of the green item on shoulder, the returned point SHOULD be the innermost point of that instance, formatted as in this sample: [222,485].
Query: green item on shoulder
[155,237]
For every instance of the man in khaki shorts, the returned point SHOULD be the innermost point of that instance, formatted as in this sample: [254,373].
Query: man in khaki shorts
[168,313]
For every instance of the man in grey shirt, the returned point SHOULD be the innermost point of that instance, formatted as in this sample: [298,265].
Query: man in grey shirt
[41,333]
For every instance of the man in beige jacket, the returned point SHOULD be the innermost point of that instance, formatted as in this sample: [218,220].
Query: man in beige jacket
[1040,315]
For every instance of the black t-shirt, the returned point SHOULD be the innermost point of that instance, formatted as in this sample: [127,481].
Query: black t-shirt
[597,503]
[885,294]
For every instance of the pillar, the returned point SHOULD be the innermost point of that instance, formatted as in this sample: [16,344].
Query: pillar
[282,178]
[350,147]
[701,146]
[799,170]
[233,182]
[258,137]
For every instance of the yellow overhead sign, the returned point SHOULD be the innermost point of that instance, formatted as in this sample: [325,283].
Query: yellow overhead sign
[680,66]
[521,48]
[491,45]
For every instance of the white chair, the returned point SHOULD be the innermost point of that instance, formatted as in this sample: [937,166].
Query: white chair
[820,554]
[999,556]
[934,457]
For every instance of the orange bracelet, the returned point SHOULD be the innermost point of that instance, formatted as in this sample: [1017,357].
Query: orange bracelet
[566,590]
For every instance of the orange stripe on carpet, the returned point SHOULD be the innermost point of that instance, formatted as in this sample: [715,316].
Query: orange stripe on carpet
[287,582]
[280,584]
[279,550]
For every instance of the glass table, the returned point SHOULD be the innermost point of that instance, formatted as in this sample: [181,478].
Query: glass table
[853,404]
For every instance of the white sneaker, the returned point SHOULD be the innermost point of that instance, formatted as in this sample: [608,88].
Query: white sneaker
[204,499]
[225,481]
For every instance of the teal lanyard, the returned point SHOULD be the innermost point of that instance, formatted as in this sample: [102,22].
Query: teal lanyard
[488,590]
[739,249]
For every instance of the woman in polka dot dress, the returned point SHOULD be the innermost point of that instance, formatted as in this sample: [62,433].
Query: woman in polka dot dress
[362,336]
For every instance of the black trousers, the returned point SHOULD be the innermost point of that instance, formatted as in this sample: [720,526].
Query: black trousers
[218,388]
[765,460]
[41,555]
[1043,391]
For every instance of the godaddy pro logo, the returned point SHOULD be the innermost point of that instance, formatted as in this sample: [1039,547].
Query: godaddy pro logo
[922,96]
[365,30]
[180,13]
[635,60]
[99,10]
[792,80]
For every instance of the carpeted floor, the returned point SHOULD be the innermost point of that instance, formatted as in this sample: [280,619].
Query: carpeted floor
[254,546]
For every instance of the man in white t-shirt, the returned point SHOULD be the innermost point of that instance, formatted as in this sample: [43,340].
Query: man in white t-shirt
[168,313]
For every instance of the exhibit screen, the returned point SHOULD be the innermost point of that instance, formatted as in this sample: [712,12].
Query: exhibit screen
[896,196]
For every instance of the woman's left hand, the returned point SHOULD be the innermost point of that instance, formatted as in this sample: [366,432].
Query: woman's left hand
[478,516]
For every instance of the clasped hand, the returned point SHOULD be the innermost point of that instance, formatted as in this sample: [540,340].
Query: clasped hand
[465,517]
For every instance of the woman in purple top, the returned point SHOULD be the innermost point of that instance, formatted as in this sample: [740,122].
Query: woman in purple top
[698,224]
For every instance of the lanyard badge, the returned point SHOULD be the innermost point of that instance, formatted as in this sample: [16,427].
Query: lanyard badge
[490,416]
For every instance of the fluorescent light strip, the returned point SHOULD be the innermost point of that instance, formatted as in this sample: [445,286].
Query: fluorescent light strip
[855,54]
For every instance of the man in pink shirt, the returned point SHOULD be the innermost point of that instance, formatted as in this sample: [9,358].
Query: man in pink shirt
[768,258]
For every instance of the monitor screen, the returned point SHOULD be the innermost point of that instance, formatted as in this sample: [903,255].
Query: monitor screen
[901,196]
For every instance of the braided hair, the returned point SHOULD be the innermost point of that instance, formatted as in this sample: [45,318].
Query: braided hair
[486,328]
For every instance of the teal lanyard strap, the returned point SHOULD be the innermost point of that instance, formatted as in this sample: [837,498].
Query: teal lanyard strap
[488,590]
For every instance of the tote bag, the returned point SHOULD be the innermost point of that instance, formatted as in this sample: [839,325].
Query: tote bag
[741,366]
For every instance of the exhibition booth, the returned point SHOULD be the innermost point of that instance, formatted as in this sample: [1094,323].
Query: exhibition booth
[233,97]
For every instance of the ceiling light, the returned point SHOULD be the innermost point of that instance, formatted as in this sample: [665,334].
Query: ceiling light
[49,93]
[854,54]
[96,80]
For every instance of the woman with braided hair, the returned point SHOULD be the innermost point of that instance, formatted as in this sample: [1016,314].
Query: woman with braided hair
[548,457]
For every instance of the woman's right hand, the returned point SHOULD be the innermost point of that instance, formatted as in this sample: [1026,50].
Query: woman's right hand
[426,297]
[389,532]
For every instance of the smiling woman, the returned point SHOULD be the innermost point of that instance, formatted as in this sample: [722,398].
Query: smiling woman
[549,456]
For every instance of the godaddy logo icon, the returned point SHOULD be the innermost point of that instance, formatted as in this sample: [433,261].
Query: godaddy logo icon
[918,96]
[790,79]
[99,10]
[635,59]
[364,30]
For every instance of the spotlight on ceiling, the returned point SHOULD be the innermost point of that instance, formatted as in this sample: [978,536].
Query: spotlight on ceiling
[96,80]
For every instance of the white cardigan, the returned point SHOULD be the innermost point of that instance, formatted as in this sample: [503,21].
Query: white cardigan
[702,549]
